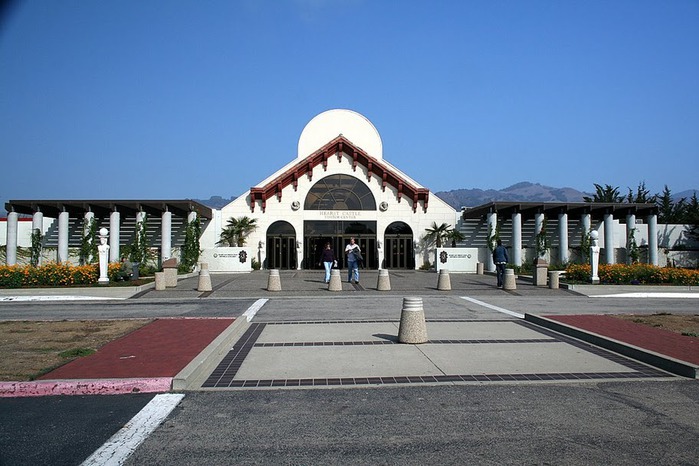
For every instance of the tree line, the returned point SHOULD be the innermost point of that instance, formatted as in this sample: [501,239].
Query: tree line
[682,211]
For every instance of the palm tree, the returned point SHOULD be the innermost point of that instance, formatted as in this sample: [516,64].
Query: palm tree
[236,231]
[455,236]
[437,234]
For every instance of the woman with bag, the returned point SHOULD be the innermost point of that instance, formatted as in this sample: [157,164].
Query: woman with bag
[327,257]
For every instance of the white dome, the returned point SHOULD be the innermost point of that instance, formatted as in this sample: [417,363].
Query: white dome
[328,125]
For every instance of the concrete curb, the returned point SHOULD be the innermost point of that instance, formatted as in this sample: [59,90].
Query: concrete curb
[85,387]
[205,362]
[652,358]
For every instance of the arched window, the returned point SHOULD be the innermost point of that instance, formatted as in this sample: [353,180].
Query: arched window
[281,228]
[340,192]
[399,228]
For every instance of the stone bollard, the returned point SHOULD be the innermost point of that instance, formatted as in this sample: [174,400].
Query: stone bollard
[508,282]
[413,329]
[160,281]
[204,278]
[444,282]
[170,269]
[479,268]
[554,280]
[384,281]
[541,268]
[274,283]
[335,283]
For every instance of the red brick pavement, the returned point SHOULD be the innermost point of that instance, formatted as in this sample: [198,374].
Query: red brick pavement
[160,349]
[658,340]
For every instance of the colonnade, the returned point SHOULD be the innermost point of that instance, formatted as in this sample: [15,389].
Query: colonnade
[586,222]
[62,254]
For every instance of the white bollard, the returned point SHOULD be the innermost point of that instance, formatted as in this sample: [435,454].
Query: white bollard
[335,283]
[204,278]
[509,282]
[384,281]
[554,279]
[444,282]
[413,329]
[274,283]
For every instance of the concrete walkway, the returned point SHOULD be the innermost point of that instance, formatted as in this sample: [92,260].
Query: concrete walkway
[307,336]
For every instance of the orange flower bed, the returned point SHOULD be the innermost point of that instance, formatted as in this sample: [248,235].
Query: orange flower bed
[636,274]
[52,274]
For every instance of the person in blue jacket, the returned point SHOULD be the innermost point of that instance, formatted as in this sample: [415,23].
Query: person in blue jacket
[501,259]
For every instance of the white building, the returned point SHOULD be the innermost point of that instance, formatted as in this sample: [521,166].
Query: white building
[340,186]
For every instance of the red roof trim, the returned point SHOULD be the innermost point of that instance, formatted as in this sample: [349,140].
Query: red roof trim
[337,146]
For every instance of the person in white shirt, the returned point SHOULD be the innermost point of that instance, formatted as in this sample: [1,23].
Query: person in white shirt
[354,255]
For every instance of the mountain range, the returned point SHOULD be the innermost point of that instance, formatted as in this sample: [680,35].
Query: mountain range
[457,198]
[523,192]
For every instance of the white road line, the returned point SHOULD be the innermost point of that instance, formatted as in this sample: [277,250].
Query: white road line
[494,308]
[252,310]
[647,295]
[118,448]
[53,298]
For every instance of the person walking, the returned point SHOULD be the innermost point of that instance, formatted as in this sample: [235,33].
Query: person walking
[501,259]
[327,258]
[354,255]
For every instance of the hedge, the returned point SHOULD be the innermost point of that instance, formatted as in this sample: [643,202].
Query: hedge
[636,274]
[54,274]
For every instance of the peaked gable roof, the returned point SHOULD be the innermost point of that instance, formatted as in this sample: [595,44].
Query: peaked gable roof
[337,147]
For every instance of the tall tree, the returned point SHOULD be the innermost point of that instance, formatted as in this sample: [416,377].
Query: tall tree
[692,218]
[670,211]
[605,194]
[642,195]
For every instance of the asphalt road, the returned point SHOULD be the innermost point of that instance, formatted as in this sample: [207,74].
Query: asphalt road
[634,422]
[576,424]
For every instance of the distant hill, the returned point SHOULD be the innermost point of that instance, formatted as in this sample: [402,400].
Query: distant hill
[215,202]
[524,192]
[685,194]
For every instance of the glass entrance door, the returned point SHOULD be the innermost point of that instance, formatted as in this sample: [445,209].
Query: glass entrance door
[338,234]
[315,245]
[281,252]
[399,253]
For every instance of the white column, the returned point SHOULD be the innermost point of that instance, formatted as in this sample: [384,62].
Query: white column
[517,239]
[492,225]
[563,237]
[653,239]
[609,238]
[89,217]
[114,220]
[166,235]
[538,226]
[630,227]
[38,224]
[63,221]
[586,222]
[538,222]
[11,253]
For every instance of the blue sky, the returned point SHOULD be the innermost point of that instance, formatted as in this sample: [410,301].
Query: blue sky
[189,99]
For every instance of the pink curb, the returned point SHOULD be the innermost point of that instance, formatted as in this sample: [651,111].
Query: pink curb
[85,387]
